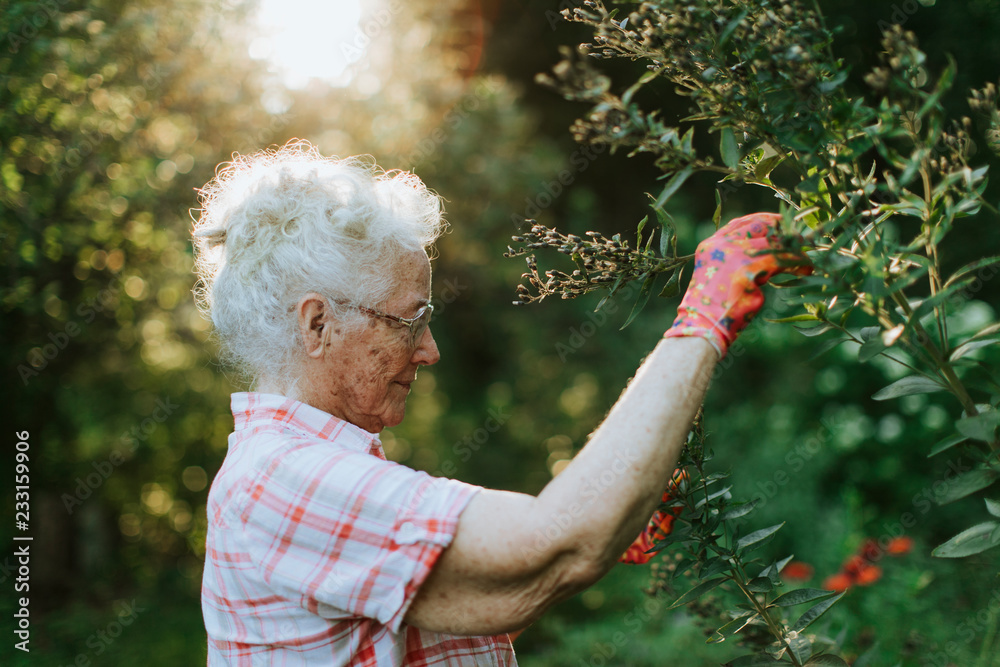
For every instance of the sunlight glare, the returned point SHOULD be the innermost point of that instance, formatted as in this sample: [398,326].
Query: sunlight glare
[303,39]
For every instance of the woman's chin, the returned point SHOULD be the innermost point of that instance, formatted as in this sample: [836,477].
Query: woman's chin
[394,417]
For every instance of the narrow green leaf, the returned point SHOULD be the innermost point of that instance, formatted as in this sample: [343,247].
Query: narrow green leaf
[810,617]
[772,570]
[979,538]
[757,536]
[766,166]
[871,348]
[993,507]
[673,286]
[729,148]
[673,185]
[687,141]
[736,511]
[965,484]
[902,282]
[717,567]
[672,538]
[730,629]
[805,317]
[614,290]
[800,647]
[928,304]
[972,266]
[801,596]
[698,591]
[667,233]
[814,331]
[966,348]
[946,444]
[662,216]
[777,567]
[982,427]
[913,384]
[640,302]
[988,331]
[618,284]
[712,496]
[638,231]
[760,585]
[867,333]
[683,565]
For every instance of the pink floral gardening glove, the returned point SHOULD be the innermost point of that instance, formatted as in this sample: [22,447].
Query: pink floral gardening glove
[724,293]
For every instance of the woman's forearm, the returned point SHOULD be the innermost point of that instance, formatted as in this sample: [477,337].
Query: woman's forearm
[605,496]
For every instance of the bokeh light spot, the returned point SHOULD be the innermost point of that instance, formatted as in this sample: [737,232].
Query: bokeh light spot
[305,39]
[195,478]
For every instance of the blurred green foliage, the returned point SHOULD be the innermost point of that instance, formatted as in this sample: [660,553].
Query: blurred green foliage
[113,112]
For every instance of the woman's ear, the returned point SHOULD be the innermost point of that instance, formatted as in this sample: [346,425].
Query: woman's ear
[315,326]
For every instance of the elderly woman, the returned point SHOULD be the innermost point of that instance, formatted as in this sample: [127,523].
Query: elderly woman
[322,552]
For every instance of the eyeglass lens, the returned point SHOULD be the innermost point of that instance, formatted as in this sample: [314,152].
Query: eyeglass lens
[419,327]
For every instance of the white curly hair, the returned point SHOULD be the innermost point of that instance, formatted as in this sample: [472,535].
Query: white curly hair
[280,223]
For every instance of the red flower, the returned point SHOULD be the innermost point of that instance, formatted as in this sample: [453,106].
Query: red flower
[837,582]
[899,546]
[854,565]
[859,569]
[871,551]
[797,571]
[868,575]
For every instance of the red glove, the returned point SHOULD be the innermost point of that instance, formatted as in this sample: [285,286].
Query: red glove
[658,528]
[724,293]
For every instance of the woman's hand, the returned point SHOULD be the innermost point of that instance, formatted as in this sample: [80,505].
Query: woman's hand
[730,267]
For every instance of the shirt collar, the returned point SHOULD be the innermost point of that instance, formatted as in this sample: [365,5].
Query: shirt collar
[254,410]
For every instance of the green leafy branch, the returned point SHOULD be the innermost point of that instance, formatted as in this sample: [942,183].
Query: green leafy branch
[710,547]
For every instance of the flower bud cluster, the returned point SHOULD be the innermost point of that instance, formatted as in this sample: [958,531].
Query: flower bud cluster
[601,261]
[575,77]
[902,63]
[770,60]
[901,76]
[984,103]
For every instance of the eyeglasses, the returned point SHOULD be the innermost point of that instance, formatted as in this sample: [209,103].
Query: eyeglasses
[417,324]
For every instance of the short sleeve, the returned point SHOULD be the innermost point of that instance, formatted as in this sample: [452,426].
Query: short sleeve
[347,534]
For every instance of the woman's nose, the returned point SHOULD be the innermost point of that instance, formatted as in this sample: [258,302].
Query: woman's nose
[426,352]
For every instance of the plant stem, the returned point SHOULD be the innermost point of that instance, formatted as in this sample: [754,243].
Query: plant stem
[762,610]
[930,249]
[985,654]
[945,367]
[859,342]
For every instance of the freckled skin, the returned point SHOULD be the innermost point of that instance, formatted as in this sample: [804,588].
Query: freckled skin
[363,376]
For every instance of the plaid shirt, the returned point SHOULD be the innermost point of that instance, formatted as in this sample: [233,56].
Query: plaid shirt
[317,545]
